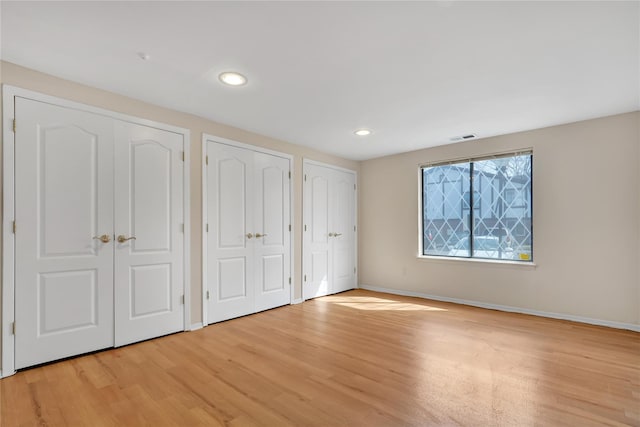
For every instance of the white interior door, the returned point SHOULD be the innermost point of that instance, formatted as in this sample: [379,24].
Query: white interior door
[149,284]
[343,230]
[329,244]
[271,228]
[317,244]
[230,240]
[63,201]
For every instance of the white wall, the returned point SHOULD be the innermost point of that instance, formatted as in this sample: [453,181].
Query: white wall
[586,181]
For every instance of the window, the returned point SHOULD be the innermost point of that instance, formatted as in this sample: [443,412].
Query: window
[480,208]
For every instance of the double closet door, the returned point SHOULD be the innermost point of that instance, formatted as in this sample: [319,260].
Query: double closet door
[98,242]
[248,231]
[329,245]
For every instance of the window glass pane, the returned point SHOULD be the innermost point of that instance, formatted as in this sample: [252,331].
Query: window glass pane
[502,230]
[446,210]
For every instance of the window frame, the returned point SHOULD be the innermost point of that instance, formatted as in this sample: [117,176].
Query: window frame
[473,210]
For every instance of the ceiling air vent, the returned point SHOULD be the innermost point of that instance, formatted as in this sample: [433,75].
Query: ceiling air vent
[462,137]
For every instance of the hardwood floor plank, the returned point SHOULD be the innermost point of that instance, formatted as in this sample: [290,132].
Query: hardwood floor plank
[358,358]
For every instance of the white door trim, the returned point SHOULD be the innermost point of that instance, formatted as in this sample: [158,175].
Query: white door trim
[212,138]
[9,93]
[305,162]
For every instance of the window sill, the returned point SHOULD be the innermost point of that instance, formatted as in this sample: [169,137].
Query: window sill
[449,259]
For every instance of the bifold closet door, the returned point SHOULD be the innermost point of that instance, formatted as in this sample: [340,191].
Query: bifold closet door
[329,241]
[149,242]
[99,249]
[318,204]
[271,219]
[64,226]
[343,223]
[248,238]
[229,242]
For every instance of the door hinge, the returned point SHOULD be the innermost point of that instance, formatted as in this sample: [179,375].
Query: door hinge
[14,125]
[289,174]
[354,270]
[13,227]
[354,186]
[289,227]
[206,160]
[289,280]
[183,156]
[13,328]
[354,228]
[305,277]
[305,227]
[182,299]
[305,176]
[182,227]
[208,295]
[206,227]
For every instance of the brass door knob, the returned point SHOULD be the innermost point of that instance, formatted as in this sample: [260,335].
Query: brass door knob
[122,238]
[330,234]
[105,238]
[337,234]
[258,235]
[249,235]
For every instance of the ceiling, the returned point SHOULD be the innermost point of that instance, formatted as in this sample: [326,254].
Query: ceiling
[416,73]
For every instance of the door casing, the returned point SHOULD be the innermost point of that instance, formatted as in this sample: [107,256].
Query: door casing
[9,93]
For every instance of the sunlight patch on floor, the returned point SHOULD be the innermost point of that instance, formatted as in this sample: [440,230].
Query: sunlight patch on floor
[373,303]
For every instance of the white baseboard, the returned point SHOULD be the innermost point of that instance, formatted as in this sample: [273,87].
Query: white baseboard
[562,316]
[6,374]
[296,301]
[196,326]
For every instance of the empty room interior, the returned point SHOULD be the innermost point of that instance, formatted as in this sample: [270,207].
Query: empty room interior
[320,213]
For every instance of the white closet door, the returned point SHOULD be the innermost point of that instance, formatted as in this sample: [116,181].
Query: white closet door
[149,283]
[64,200]
[230,240]
[271,229]
[317,243]
[342,227]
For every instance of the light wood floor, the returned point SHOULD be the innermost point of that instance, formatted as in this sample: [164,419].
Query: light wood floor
[358,358]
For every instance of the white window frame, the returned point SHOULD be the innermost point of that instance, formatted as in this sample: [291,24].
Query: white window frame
[450,259]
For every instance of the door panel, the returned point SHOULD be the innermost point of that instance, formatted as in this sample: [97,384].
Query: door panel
[232,210]
[232,280]
[64,196]
[319,277]
[150,196]
[149,282]
[68,193]
[151,291]
[343,222]
[317,207]
[61,314]
[271,220]
[230,250]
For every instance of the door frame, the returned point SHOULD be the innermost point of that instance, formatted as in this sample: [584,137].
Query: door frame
[216,139]
[9,93]
[305,162]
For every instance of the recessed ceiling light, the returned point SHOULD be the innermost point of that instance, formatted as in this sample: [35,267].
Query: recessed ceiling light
[144,56]
[232,78]
[363,132]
